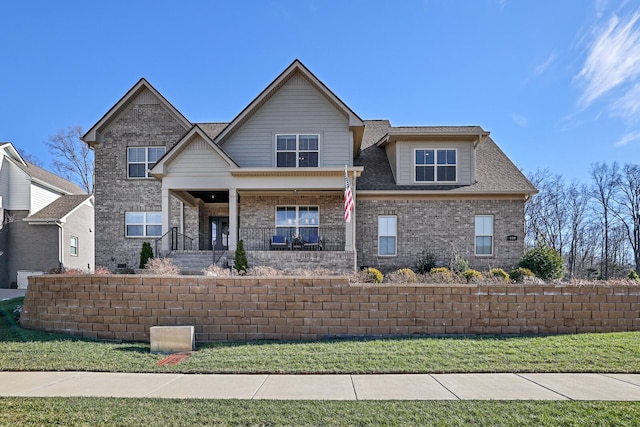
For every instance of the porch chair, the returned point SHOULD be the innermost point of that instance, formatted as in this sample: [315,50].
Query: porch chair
[314,243]
[279,243]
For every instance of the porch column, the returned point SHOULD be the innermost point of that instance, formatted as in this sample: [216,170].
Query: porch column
[233,219]
[166,218]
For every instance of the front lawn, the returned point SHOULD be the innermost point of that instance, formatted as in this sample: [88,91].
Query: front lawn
[614,352]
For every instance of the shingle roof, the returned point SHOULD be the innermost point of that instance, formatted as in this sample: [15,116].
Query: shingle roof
[212,129]
[374,130]
[50,178]
[495,173]
[59,208]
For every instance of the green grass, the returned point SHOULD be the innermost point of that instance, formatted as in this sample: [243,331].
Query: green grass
[22,349]
[156,412]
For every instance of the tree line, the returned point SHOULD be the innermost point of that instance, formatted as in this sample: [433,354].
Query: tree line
[595,227]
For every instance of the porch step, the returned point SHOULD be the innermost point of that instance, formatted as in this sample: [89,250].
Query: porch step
[193,262]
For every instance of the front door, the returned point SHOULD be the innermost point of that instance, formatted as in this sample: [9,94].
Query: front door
[219,232]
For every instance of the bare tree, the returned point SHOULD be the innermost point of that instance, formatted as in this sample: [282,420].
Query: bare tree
[29,157]
[629,208]
[546,212]
[577,202]
[73,158]
[605,184]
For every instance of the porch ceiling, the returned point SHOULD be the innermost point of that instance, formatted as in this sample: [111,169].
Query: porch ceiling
[211,196]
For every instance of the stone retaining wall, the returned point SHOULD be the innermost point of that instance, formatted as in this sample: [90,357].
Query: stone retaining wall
[124,307]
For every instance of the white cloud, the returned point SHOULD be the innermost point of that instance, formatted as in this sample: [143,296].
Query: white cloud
[613,58]
[628,105]
[628,138]
[519,119]
[541,68]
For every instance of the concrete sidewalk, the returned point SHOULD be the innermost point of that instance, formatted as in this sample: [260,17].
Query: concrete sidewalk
[325,387]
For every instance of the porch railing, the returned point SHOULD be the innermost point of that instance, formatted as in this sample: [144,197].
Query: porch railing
[303,238]
[175,241]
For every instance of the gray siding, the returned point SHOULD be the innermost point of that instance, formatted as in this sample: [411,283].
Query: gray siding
[405,150]
[391,155]
[198,159]
[79,224]
[297,107]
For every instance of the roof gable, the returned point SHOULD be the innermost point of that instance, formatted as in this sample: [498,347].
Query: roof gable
[59,209]
[355,122]
[161,167]
[92,136]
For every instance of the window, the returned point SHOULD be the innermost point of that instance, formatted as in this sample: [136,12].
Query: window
[297,151]
[484,234]
[143,224]
[74,246]
[141,159]
[435,165]
[302,221]
[387,235]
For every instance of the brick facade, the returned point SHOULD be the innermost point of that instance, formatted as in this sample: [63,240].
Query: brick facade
[124,307]
[437,226]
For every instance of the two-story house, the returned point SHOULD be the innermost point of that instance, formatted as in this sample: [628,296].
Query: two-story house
[47,221]
[274,177]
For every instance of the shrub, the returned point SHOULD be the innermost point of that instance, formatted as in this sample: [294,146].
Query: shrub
[518,274]
[240,263]
[471,275]
[499,273]
[214,270]
[145,254]
[404,275]
[264,271]
[458,264]
[101,270]
[440,274]
[633,275]
[425,262]
[372,275]
[162,266]
[544,262]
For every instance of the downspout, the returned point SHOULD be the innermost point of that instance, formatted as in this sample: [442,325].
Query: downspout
[60,246]
[181,217]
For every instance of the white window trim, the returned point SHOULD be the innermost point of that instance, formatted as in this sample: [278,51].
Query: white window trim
[435,169]
[144,225]
[475,236]
[146,161]
[71,246]
[297,151]
[296,225]
[395,248]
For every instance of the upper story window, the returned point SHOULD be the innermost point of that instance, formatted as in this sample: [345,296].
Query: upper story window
[143,224]
[435,165]
[141,159]
[297,151]
[73,246]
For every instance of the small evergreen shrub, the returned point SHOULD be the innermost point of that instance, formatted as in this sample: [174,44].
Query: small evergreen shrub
[372,275]
[499,273]
[633,275]
[240,263]
[544,262]
[440,275]
[425,262]
[471,275]
[518,274]
[145,254]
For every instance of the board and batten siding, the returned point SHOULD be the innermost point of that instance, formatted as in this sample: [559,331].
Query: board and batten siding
[406,150]
[41,197]
[198,159]
[296,108]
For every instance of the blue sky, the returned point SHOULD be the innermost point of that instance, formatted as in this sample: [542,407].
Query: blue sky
[557,83]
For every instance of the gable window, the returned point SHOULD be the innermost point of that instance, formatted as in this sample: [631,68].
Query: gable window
[484,234]
[141,159]
[297,151]
[143,224]
[387,235]
[74,246]
[300,221]
[435,165]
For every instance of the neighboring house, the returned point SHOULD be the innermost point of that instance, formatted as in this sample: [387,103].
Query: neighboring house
[274,178]
[47,221]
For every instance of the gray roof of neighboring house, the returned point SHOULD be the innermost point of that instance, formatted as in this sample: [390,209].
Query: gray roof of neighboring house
[50,178]
[495,173]
[59,208]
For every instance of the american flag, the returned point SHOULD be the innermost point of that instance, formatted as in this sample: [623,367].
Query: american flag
[348,198]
